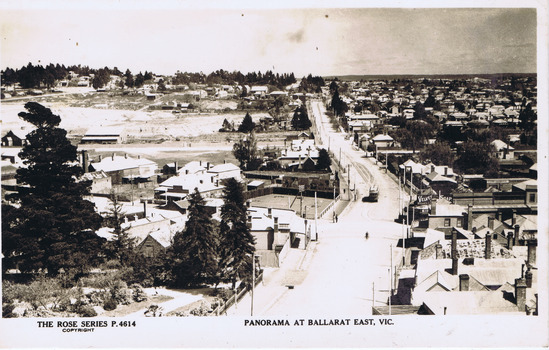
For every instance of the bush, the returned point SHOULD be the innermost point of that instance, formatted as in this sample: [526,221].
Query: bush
[110,304]
[86,311]
[224,294]
[139,294]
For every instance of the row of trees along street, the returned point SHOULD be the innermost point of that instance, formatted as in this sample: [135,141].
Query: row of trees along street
[49,229]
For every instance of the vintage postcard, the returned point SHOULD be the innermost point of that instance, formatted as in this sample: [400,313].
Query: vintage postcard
[295,174]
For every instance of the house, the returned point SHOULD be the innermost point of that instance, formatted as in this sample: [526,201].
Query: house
[275,232]
[503,150]
[124,169]
[101,182]
[444,216]
[225,171]
[104,135]
[15,137]
[178,187]
[441,184]
[382,140]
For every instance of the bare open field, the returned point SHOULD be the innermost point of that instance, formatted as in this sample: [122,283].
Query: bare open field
[162,136]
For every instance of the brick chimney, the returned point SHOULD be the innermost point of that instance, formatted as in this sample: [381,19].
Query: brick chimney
[491,223]
[488,247]
[275,224]
[469,217]
[454,239]
[528,278]
[248,203]
[439,254]
[514,219]
[85,160]
[269,212]
[434,207]
[113,156]
[464,283]
[531,261]
[510,240]
[520,294]
[145,208]
[454,263]
[516,235]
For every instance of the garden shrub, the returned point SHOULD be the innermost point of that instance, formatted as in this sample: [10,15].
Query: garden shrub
[110,304]
[86,311]
[139,294]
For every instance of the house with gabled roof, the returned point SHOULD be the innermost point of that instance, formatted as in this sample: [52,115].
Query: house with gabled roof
[15,137]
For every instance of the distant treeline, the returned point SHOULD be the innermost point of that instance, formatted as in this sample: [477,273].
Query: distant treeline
[35,76]
[406,77]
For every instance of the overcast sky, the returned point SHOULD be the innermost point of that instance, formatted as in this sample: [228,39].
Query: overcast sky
[319,41]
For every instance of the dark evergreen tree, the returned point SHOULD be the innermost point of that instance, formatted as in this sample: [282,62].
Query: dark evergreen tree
[55,224]
[300,120]
[247,124]
[237,245]
[196,247]
[129,79]
[324,160]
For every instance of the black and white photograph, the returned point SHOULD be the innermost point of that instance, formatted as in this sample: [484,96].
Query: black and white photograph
[300,174]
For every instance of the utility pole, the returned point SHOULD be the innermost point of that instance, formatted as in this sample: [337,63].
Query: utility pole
[316,215]
[391,280]
[253,284]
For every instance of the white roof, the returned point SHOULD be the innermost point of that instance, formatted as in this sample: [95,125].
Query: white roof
[117,163]
[500,145]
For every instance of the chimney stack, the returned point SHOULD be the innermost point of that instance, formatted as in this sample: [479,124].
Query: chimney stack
[145,208]
[125,156]
[208,166]
[85,160]
[514,219]
[491,223]
[488,246]
[270,212]
[248,203]
[516,235]
[532,245]
[469,217]
[434,207]
[454,263]
[275,224]
[464,283]
[528,278]
[520,294]
[510,240]
[439,254]
[454,240]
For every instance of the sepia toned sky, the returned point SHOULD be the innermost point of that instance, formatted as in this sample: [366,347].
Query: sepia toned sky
[322,41]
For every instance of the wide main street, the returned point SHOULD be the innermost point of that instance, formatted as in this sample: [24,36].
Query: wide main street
[342,272]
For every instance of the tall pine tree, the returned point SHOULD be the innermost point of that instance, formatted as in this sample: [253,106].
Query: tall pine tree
[56,226]
[196,247]
[237,245]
